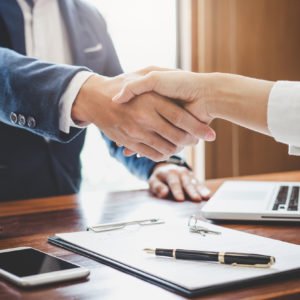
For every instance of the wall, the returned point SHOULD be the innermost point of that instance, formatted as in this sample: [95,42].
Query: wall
[259,38]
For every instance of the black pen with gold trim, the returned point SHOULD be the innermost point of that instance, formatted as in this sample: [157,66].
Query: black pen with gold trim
[228,258]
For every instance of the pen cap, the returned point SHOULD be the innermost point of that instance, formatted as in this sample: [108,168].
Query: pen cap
[247,258]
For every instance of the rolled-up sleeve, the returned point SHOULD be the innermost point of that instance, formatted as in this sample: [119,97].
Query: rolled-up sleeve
[284,114]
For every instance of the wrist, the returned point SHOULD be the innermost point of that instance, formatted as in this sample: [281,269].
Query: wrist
[209,93]
[172,161]
[241,100]
[81,112]
[223,95]
[158,165]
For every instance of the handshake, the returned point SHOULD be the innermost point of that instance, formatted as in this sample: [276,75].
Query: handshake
[157,112]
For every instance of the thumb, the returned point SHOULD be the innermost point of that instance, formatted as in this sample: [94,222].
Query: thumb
[134,88]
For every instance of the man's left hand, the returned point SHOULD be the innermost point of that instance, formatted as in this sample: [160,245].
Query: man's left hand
[179,181]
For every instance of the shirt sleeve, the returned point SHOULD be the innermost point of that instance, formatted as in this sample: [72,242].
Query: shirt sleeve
[67,100]
[284,114]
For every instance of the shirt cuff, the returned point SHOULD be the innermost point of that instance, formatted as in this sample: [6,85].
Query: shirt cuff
[67,100]
[283,114]
[294,150]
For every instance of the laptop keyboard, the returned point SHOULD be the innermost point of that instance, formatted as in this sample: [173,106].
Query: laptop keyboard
[287,198]
[293,204]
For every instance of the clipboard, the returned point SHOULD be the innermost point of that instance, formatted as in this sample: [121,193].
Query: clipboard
[79,242]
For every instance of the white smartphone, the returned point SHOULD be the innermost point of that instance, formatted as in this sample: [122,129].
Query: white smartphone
[29,267]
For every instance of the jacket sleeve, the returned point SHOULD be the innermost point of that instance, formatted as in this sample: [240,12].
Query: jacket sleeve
[30,91]
[141,167]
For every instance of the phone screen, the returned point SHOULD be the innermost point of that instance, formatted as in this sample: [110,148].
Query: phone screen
[29,262]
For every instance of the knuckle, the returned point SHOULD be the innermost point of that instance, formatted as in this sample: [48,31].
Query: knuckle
[147,70]
[141,118]
[131,132]
[153,74]
[151,68]
[174,175]
[124,131]
[176,117]
[183,139]
[127,131]
[184,172]
[152,78]
[178,138]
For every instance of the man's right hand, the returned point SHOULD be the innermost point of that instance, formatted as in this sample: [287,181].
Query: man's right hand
[150,125]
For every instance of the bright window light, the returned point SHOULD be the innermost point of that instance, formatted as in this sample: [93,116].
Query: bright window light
[144,34]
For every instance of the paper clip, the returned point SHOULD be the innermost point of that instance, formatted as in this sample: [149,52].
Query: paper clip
[120,225]
[194,227]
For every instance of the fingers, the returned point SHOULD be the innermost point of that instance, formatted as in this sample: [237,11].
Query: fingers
[193,188]
[143,150]
[146,142]
[149,69]
[204,192]
[128,152]
[174,134]
[146,151]
[160,145]
[180,181]
[158,188]
[137,87]
[186,121]
[174,183]
[174,84]
[189,184]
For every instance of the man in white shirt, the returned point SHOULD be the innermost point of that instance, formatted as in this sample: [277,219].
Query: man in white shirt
[51,55]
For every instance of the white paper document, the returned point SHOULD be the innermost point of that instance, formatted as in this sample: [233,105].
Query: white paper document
[126,246]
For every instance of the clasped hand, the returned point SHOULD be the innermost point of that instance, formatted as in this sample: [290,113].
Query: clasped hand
[151,124]
[188,90]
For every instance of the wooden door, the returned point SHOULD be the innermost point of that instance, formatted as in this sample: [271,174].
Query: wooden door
[258,38]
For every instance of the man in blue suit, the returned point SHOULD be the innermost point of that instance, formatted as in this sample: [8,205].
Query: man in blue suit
[52,53]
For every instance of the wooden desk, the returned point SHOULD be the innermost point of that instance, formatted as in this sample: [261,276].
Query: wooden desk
[30,222]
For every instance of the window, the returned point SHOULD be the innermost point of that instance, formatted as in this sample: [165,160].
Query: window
[144,33]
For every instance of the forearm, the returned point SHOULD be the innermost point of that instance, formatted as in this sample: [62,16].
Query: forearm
[33,88]
[238,99]
[241,100]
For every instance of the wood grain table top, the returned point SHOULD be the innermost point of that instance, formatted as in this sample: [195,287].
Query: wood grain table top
[31,222]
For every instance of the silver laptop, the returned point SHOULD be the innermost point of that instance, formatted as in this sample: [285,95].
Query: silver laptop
[255,200]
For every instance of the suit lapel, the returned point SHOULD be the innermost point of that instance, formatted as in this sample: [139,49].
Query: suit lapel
[12,16]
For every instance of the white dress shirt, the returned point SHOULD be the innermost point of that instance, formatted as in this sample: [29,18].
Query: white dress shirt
[284,114]
[46,39]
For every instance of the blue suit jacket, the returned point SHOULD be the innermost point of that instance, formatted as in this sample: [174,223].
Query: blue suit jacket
[29,165]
